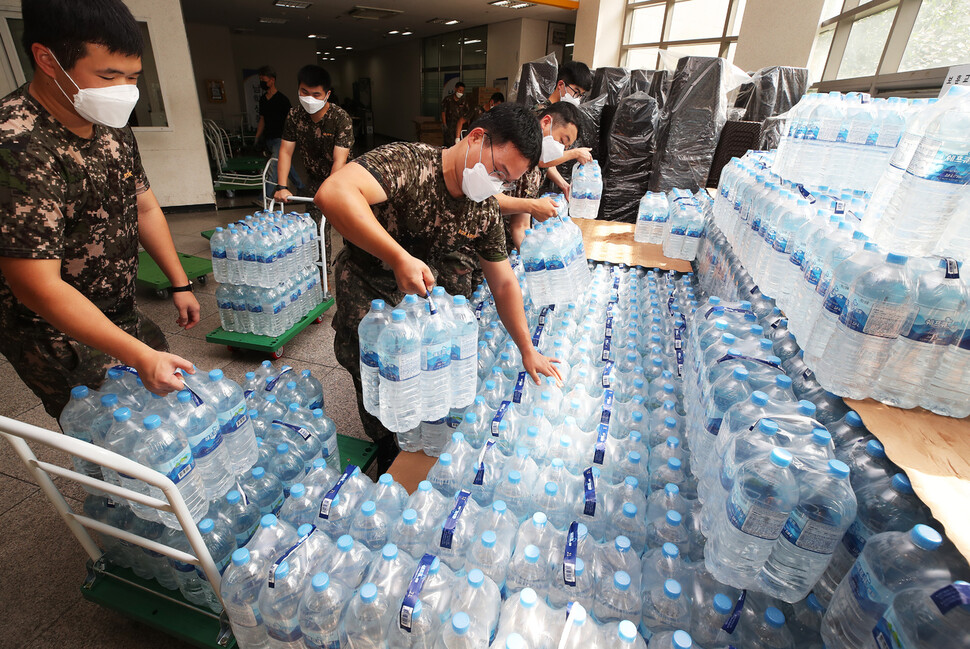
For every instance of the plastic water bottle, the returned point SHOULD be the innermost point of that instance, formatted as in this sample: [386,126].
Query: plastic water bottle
[890,563]
[617,601]
[280,607]
[243,516]
[364,622]
[435,365]
[199,424]
[757,508]
[480,594]
[464,350]
[927,616]
[769,631]
[226,398]
[264,489]
[319,612]
[76,420]
[422,632]
[241,585]
[399,355]
[368,331]
[706,621]
[672,640]
[220,541]
[664,609]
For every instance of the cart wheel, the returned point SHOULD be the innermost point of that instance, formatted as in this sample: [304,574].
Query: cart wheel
[277,354]
[319,320]
[162,293]
[202,279]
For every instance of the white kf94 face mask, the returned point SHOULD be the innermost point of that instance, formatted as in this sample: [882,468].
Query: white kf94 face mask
[313,105]
[551,149]
[476,183]
[109,106]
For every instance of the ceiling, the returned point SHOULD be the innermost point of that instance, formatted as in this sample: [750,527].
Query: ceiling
[330,18]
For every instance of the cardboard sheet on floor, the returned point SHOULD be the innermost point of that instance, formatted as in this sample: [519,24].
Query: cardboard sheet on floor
[934,452]
[613,242]
[411,468]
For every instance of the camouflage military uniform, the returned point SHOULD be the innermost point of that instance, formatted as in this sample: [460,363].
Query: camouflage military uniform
[527,186]
[315,142]
[454,109]
[69,198]
[428,222]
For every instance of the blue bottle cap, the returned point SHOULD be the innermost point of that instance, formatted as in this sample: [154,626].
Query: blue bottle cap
[622,543]
[551,489]
[814,604]
[122,414]
[853,419]
[838,469]
[258,472]
[369,508]
[634,457]
[806,408]
[674,464]
[206,525]
[320,582]
[621,580]
[515,477]
[875,449]
[670,550]
[184,396]
[682,640]
[781,458]
[901,484]
[424,485]
[304,529]
[152,422]
[233,497]
[459,623]
[397,315]
[215,375]
[723,604]
[672,589]
[673,442]
[821,437]
[282,449]
[488,539]
[282,570]
[674,518]
[782,381]
[898,260]
[671,489]
[580,566]
[297,490]
[476,578]
[627,632]
[268,520]
[345,543]
[531,553]
[240,557]
[925,537]
[629,510]
[368,593]
[389,552]
[740,374]
[774,617]
[445,459]
[539,519]
[528,597]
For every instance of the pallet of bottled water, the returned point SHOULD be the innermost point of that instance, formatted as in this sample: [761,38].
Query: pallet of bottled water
[675,220]
[267,265]
[554,262]
[585,190]
[873,322]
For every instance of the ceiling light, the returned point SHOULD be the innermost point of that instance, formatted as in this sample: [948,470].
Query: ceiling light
[272,21]
[311,35]
[292,4]
[452,22]
[569,44]
[521,5]
[472,41]
[339,47]
[443,21]
[393,31]
[512,4]
[348,48]
[319,52]
[406,33]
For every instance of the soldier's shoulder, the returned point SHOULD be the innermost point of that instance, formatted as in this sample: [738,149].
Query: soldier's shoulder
[20,119]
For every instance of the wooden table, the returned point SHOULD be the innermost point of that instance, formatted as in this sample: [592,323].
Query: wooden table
[934,452]
[613,242]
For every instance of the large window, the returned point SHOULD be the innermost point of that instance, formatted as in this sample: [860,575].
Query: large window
[695,27]
[448,58]
[890,46]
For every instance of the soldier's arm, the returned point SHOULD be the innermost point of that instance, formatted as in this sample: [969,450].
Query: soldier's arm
[508,301]
[559,181]
[38,285]
[345,198]
[541,208]
[285,160]
[340,157]
[156,239]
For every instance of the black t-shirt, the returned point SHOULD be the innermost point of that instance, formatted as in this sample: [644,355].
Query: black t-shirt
[273,111]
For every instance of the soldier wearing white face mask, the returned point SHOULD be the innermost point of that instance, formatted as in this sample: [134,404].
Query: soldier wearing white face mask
[572,83]
[321,131]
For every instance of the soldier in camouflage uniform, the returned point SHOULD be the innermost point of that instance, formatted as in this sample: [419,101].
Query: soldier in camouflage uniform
[477,111]
[323,133]
[75,205]
[572,83]
[406,202]
[453,109]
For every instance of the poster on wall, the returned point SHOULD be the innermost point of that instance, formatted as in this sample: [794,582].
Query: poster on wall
[251,93]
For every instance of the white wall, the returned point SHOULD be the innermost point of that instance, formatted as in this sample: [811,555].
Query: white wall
[502,58]
[770,36]
[534,36]
[212,58]
[599,32]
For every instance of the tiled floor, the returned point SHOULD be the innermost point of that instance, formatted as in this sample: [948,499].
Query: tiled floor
[43,565]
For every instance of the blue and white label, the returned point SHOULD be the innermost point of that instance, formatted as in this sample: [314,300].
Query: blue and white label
[731,623]
[856,537]
[935,327]
[870,597]
[479,478]
[569,556]
[949,597]
[603,430]
[408,367]
[327,501]
[752,517]
[608,375]
[932,162]
[414,589]
[879,319]
[368,355]
[499,415]
[299,430]
[279,561]
[232,420]
[178,467]
[206,441]
[890,634]
[519,386]
[270,385]
[436,357]
[448,529]
[811,535]
[589,492]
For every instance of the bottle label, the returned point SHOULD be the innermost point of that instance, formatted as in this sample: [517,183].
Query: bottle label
[218,254]
[233,419]
[480,473]
[569,556]
[409,368]
[554,263]
[271,385]
[856,537]
[300,430]
[329,447]
[519,386]
[731,623]
[807,534]
[533,266]
[436,357]
[179,467]
[414,589]
[279,561]
[589,492]
[467,346]
[836,299]
[327,501]
[949,597]
[207,441]
[935,327]
[499,415]
[609,327]
[752,518]
[890,634]
[603,430]
[368,355]
[880,319]
[537,335]
[828,129]
[870,596]
[448,529]
[932,163]
[225,305]
[607,347]
[714,425]
[858,133]
[797,257]
[608,374]
[329,640]
[780,243]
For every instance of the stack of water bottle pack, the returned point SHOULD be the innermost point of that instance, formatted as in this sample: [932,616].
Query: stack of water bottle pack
[675,220]
[872,322]
[585,190]
[554,261]
[266,264]
[206,439]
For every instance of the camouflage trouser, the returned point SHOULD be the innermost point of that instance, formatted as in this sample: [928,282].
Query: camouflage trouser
[51,366]
[459,272]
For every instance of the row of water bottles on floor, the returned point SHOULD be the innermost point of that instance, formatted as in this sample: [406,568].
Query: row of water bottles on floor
[264,249]
[418,360]
[554,261]
[269,311]
[872,322]
[675,220]
[203,437]
[585,190]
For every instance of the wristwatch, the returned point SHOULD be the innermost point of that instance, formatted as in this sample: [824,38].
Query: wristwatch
[279,187]
[182,289]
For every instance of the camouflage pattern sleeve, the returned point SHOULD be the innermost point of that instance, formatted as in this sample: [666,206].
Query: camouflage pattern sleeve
[528,185]
[490,246]
[141,178]
[344,131]
[290,129]
[32,191]
[395,166]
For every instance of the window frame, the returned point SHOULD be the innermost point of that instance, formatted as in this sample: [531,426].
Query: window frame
[723,41]
[886,80]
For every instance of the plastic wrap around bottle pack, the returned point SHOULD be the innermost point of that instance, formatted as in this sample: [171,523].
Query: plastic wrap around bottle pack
[536,81]
[773,90]
[632,142]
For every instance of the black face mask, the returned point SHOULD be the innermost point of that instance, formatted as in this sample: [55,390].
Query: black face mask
[263,85]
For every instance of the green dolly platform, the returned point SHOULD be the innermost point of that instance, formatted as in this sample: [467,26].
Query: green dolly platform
[151,276]
[273,346]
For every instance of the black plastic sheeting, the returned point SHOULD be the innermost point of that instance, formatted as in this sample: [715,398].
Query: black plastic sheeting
[632,142]
[660,86]
[692,119]
[610,82]
[589,135]
[639,82]
[772,91]
[772,131]
[537,80]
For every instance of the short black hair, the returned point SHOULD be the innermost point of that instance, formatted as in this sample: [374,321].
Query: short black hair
[65,26]
[312,76]
[460,84]
[515,124]
[575,73]
[563,112]
[498,98]
[266,71]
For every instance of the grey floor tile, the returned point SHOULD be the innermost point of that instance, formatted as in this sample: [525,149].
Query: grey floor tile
[205,355]
[15,397]
[209,322]
[49,569]
[314,344]
[163,312]
[13,492]
[341,401]
[87,625]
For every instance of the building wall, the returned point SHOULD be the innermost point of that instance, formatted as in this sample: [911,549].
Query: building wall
[212,58]
[599,32]
[769,35]
[504,45]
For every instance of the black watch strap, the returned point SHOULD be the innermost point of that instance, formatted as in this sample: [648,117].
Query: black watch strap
[279,187]
[182,289]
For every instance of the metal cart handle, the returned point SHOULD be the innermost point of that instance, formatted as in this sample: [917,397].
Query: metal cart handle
[289,199]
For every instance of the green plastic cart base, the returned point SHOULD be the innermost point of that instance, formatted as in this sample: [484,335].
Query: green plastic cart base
[151,276]
[207,234]
[267,344]
[359,452]
[147,602]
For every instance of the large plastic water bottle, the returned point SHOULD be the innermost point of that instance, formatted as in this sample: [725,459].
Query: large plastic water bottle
[664,609]
[319,612]
[617,601]
[464,359]
[226,398]
[200,425]
[364,621]
[217,245]
[241,585]
[436,374]
[280,606]
[890,563]
[77,420]
[399,355]
[826,508]
[368,331]
[744,533]
[927,616]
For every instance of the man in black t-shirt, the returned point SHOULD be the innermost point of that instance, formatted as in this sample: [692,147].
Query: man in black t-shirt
[273,108]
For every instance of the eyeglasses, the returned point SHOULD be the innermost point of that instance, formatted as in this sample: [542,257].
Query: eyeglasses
[498,175]
[576,92]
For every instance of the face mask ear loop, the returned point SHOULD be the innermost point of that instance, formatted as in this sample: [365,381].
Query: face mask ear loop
[51,52]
